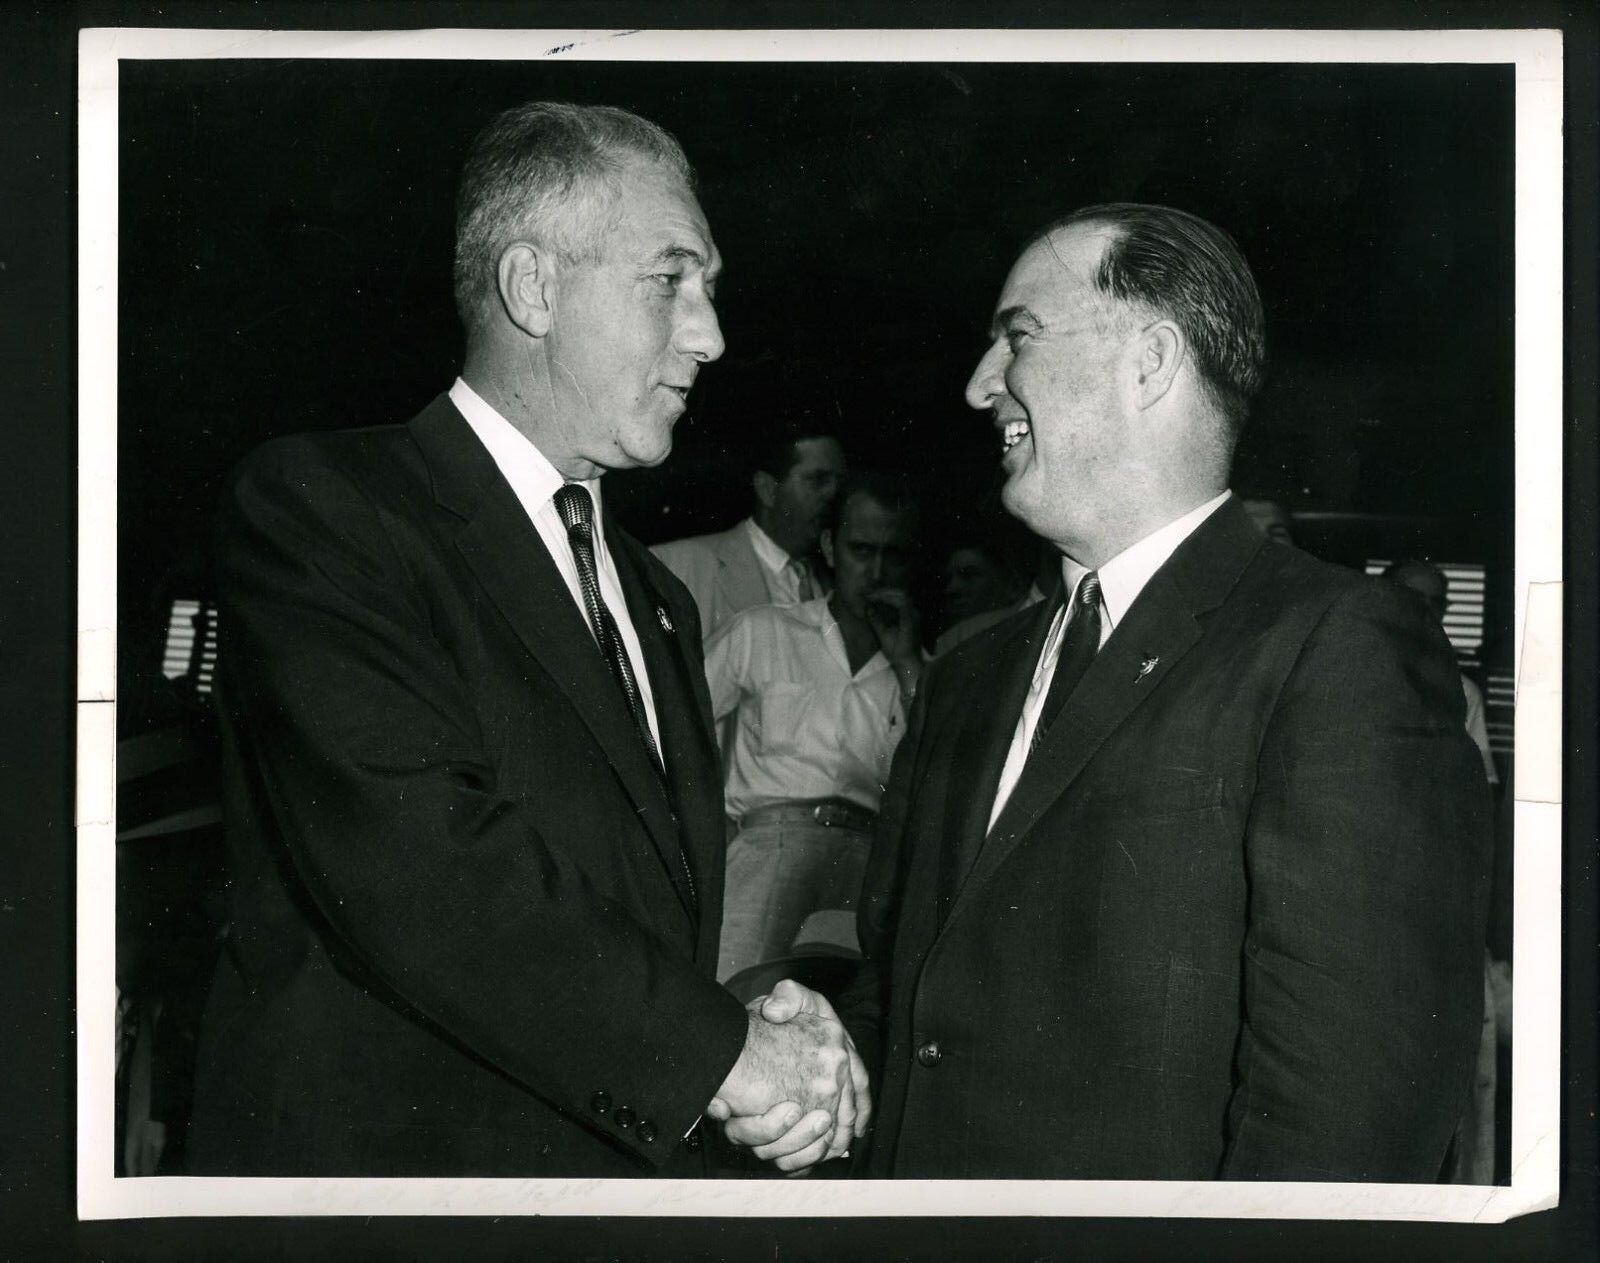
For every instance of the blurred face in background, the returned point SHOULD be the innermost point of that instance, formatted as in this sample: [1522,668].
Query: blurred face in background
[794,509]
[1426,582]
[975,582]
[1271,519]
[872,549]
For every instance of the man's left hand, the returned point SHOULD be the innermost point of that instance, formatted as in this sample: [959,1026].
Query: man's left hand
[781,1135]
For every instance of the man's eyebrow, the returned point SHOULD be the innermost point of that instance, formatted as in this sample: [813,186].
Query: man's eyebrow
[1009,317]
[676,254]
[669,255]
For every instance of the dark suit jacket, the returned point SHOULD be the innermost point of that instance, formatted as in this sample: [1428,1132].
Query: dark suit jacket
[461,941]
[1230,921]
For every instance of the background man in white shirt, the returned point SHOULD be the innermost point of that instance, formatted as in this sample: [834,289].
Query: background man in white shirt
[770,557]
[817,695]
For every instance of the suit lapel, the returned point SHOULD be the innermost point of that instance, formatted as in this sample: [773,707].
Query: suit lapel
[1161,627]
[510,561]
[740,574]
[995,693]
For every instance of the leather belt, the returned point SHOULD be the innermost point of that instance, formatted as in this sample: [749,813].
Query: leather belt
[830,813]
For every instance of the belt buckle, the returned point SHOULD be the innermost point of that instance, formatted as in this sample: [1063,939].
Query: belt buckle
[825,814]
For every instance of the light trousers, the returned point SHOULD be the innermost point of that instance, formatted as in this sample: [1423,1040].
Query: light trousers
[779,873]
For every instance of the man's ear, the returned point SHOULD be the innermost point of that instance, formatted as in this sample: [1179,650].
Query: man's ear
[826,543]
[766,489]
[526,283]
[1159,352]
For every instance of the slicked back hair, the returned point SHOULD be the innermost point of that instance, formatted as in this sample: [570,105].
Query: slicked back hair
[778,451]
[548,173]
[1169,263]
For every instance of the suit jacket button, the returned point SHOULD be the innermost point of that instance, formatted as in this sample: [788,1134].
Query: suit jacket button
[625,1117]
[929,1054]
[647,1130]
[600,1102]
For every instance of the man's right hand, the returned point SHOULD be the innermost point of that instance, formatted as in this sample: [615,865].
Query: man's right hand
[805,1061]
[784,1132]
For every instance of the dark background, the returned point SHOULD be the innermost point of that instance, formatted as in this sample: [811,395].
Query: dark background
[38,357]
[286,232]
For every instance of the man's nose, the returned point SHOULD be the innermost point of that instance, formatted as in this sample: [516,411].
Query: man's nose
[986,381]
[700,335]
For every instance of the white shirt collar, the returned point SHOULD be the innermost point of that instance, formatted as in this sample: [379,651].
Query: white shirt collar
[527,469]
[767,549]
[1125,575]
[818,613]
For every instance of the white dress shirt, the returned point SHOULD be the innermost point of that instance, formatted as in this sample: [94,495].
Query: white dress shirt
[789,580]
[805,727]
[1121,580]
[536,481]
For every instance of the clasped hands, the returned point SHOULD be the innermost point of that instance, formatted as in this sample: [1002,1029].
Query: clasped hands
[798,1093]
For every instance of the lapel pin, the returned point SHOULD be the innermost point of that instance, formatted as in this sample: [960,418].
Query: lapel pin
[666,622]
[1145,667]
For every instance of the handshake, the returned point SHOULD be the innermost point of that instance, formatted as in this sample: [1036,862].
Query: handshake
[798,1093]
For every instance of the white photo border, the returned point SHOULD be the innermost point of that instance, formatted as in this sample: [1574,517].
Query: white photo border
[1535,1149]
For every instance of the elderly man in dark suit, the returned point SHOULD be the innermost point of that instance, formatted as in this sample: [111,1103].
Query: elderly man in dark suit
[473,803]
[1182,874]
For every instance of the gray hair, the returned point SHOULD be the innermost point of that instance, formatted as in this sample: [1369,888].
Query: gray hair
[546,172]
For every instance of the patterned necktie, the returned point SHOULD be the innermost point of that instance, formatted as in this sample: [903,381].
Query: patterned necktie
[577,514]
[1079,644]
[805,588]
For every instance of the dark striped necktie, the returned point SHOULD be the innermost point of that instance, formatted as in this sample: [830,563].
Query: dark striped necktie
[577,515]
[1079,644]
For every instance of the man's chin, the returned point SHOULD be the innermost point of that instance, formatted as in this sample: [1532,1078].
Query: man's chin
[1014,497]
[647,454]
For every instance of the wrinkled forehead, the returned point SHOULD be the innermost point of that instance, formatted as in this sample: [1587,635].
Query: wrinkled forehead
[1055,275]
[864,519]
[660,219]
[969,558]
[820,452]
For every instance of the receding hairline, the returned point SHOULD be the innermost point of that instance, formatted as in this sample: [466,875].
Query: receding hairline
[1108,230]
[548,174]
[1110,233]
[906,510]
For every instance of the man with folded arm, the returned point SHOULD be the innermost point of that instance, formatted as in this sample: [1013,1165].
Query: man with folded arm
[817,695]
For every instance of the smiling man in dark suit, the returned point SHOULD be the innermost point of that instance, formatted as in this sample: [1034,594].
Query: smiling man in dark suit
[1181,875]
[473,804]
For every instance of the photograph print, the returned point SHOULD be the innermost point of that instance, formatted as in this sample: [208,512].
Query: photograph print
[906,620]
